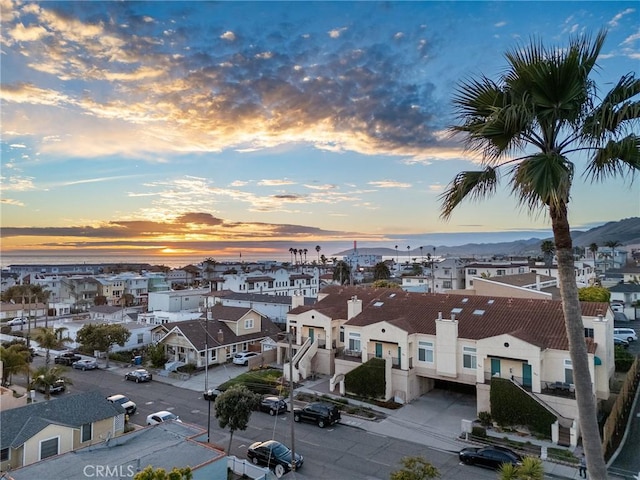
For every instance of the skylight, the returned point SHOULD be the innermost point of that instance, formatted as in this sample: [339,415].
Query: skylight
[478,312]
[456,310]
[378,304]
[491,301]
[465,300]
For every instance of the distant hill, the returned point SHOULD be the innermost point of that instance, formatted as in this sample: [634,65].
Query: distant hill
[626,231]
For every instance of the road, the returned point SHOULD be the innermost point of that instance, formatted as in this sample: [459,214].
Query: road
[343,451]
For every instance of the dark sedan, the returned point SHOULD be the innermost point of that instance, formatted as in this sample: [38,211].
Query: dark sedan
[139,375]
[272,405]
[274,455]
[211,394]
[490,457]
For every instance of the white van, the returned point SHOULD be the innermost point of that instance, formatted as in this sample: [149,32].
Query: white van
[628,334]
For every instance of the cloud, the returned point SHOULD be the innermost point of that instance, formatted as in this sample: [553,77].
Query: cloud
[11,201]
[500,24]
[215,91]
[276,182]
[616,19]
[389,184]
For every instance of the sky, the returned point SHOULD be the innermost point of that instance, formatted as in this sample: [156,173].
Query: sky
[214,128]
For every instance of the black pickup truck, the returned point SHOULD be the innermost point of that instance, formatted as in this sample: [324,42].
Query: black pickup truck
[66,358]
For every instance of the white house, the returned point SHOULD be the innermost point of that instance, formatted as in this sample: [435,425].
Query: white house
[191,300]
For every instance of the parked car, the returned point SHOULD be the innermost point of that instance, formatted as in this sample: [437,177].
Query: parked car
[620,317]
[317,412]
[619,342]
[129,406]
[242,358]
[57,387]
[162,416]
[274,455]
[138,375]
[67,358]
[17,321]
[211,394]
[273,405]
[86,364]
[628,334]
[490,457]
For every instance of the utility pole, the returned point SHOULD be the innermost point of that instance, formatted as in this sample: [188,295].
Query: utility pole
[206,368]
[293,448]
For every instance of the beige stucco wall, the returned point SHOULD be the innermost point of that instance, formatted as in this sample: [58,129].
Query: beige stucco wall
[8,400]
[446,355]
[496,289]
[32,446]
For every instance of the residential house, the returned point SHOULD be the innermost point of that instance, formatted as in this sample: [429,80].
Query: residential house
[608,258]
[492,269]
[304,280]
[111,313]
[429,339]
[448,275]
[628,295]
[225,331]
[523,285]
[158,317]
[191,300]
[166,445]
[274,307]
[10,310]
[140,333]
[41,430]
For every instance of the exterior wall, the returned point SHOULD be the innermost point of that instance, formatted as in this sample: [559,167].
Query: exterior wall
[8,400]
[277,312]
[492,270]
[174,301]
[446,355]
[32,446]
[511,353]
[489,288]
[249,323]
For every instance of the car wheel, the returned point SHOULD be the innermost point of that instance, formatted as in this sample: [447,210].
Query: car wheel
[321,423]
[296,417]
[272,412]
[630,339]
[137,380]
[83,369]
[255,460]
[279,470]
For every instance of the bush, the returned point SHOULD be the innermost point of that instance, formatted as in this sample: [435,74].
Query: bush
[485,419]
[367,380]
[623,359]
[479,432]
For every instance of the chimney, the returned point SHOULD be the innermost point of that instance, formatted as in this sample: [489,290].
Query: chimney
[439,315]
[220,336]
[354,307]
[297,300]
[538,282]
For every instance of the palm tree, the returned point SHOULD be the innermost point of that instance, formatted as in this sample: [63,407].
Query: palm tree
[45,377]
[318,252]
[295,255]
[546,107]
[342,272]
[291,252]
[305,255]
[51,339]
[15,359]
[612,244]
[593,248]
[530,469]
[548,248]
[381,271]
[421,256]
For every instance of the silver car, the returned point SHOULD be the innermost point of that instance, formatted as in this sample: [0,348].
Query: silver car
[88,364]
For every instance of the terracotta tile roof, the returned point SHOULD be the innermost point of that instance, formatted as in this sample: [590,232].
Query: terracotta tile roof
[540,322]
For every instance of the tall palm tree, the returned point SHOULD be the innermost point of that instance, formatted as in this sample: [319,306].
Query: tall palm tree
[593,248]
[548,249]
[546,108]
[44,378]
[291,252]
[15,359]
[51,339]
[612,244]
[318,252]
[295,255]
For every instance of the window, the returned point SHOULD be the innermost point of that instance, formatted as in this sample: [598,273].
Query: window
[4,454]
[469,357]
[341,334]
[425,352]
[472,271]
[48,448]
[501,272]
[87,431]
[568,371]
[354,341]
[588,332]
[248,323]
[446,284]
[140,338]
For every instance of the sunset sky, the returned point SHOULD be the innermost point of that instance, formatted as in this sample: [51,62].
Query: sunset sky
[209,127]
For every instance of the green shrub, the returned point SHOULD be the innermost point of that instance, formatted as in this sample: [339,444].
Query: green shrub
[485,419]
[479,432]
[367,380]
[623,359]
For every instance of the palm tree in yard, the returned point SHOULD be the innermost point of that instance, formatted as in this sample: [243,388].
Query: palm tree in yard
[51,339]
[548,249]
[318,252]
[593,248]
[612,244]
[546,109]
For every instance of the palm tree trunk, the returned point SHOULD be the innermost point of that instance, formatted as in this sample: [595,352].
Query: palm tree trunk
[585,397]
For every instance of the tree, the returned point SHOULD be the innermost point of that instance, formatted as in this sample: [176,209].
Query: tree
[531,469]
[318,252]
[385,284]
[594,294]
[546,107]
[381,271]
[593,248]
[127,300]
[102,337]
[415,468]
[15,359]
[22,293]
[45,377]
[157,355]
[176,473]
[323,259]
[342,272]
[234,407]
[99,300]
[51,339]
[612,244]
[548,249]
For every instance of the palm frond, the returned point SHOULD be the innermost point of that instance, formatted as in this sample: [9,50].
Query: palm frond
[616,107]
[542,180]
[475,185]
[621,157]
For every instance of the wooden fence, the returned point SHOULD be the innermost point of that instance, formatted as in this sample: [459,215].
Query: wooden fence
[617,421]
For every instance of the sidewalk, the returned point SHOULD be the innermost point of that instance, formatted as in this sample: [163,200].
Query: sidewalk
[433,420]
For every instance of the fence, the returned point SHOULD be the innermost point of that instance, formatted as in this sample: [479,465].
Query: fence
[246,468]
[617,419]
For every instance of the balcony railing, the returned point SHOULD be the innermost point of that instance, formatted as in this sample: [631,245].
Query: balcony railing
[550,387]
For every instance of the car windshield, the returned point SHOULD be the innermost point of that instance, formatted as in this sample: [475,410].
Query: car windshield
[169,416]
[122,400]
[280,450]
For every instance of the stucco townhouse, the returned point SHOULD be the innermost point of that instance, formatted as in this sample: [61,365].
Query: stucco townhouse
[431,340]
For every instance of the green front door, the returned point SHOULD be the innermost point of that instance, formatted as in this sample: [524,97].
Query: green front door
[378,350]
[526,375]
[311,334]
[495,367]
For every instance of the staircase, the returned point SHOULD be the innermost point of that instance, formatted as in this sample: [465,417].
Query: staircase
[296,361]
[564,422]
[304,364]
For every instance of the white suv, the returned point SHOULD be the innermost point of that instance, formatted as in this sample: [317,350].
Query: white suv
[628,334]
[127,404]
